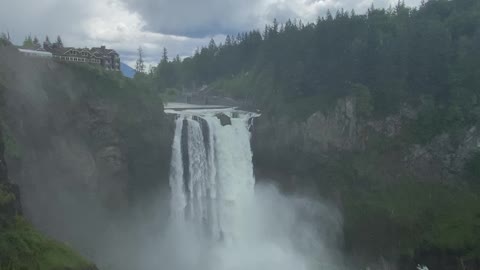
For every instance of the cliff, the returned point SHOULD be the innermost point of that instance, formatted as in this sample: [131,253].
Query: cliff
[21,246]
[341,131]
[85,147]
[402,197]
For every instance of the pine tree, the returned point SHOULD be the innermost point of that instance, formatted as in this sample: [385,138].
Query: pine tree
[228,41]
[140,66]
[275,26]
[164,56]
[47,45]
[329,15]
[212,47]
[36,43]
[59,43]
[177,59]
[28,42]
[5,39]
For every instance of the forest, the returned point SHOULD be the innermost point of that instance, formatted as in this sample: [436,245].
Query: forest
[426,58]
[387,56]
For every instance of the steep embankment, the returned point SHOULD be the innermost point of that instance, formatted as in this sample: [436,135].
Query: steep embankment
[21,246]
[404,201]
[86,147]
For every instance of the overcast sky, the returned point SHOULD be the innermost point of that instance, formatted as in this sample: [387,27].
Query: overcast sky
[179,25]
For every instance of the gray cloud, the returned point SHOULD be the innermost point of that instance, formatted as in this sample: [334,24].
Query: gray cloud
[179,25]
[195,18]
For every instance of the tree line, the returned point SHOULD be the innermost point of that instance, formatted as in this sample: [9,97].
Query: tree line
[426,54]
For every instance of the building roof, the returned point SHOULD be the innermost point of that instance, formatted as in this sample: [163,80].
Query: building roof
[44,53]
[102,50]
[61,50]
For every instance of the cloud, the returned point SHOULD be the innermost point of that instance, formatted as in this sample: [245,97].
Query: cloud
[195,18]
[87,23]
[179,25]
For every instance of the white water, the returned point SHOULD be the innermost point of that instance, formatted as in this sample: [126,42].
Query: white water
[221,220]
[219,182]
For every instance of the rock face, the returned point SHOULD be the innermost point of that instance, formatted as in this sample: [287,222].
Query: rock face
[335,130]
[324,135]
[321,135]
[89,152]
[444,157]
[10,205]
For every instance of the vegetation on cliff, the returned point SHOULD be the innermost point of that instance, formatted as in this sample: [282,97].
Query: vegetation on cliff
[424,58]
[99,136]
[22,247]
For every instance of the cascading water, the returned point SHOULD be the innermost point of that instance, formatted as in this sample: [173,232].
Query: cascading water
[211,173]
[221,220]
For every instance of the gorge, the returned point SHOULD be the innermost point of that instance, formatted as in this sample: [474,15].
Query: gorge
[366,154]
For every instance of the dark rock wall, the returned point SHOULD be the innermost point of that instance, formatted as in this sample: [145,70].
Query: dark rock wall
[86,161]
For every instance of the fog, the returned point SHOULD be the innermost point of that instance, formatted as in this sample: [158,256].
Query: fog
[279,232]
[73,195]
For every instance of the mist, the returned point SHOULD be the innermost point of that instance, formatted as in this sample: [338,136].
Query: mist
[278,232]
[76,187]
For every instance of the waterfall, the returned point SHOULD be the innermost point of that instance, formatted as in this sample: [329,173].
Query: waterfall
[211,176]
[222,220]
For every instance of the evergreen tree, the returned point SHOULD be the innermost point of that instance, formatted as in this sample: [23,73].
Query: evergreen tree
[47,45]
[28,42]
[5,39]
[177,59]
[35,42]
[59,42]
[228,41]
[164,56]
[140,65]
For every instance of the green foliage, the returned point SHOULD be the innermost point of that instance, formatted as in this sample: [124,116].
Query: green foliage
[5,40]
[408,216]
[363,96]
[28,42]
[170,94]
[21,247]
[398,54]
[12,148]
[5,197]
[472,167]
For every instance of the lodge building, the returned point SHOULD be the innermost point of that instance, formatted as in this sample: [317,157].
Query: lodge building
[107,58]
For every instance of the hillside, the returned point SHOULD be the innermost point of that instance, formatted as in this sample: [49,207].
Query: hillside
[85,147]
[379,112]
[22,246]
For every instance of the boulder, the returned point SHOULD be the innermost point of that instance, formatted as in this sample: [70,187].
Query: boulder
[224,119]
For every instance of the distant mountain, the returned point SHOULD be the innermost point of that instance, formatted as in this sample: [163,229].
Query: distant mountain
[126,70]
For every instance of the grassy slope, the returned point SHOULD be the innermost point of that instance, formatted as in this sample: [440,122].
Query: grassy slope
[22,247]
